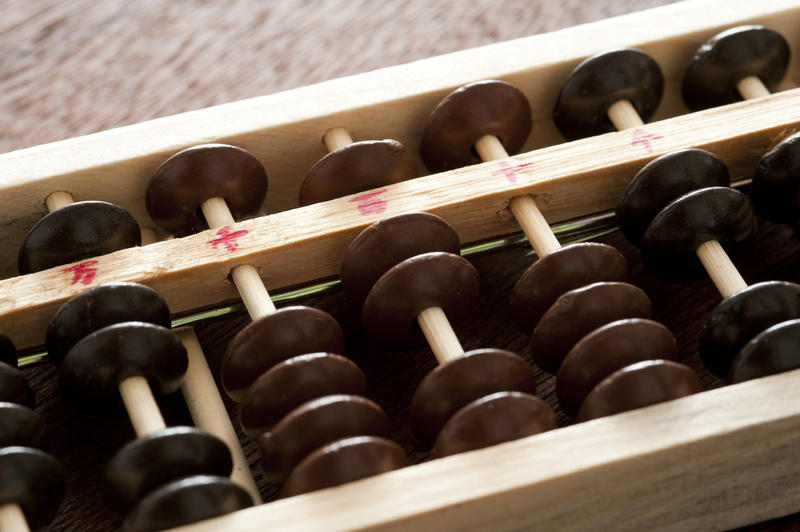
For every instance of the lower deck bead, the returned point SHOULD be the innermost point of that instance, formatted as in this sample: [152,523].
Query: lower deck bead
[32,479]
[773,351]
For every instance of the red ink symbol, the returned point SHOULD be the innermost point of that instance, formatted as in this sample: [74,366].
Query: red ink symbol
[82,272]
[510,171]
[368,203]
[640,136]
[229,238]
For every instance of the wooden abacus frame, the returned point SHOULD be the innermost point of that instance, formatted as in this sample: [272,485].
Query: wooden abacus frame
[691,463]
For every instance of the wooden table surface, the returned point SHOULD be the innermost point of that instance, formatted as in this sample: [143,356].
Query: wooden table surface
[71,68]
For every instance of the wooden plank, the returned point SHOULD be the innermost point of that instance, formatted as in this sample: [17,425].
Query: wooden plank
[284,130]
[568,180]
[712,461]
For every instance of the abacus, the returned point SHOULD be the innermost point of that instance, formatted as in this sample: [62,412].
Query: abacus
[696,463]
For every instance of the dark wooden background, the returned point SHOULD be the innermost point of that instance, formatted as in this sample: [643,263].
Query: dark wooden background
[70,68]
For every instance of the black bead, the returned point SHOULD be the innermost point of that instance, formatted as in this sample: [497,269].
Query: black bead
[742,316]
[775,191]
[8,351]
[716,213]
[773,351]
[663,180]
[19,425]
[727,58]
[78,231]
[100,307]
[94,367]
[14,388]
[34,480]
[186,501]
[601,80]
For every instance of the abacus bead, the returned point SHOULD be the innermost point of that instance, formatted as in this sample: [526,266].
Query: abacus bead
[78,231]
[14,387]
[639,385]
[94,367]
[451,386]
[742,316]
[291,383]
[315,424]
[187,501]
[663,180]
[727,58]
[190,177]
[19,425]
[606,350]
[496,418]
[600,81]
[269,340]
[563,270]
[469,113]
[429,280]
[34,480]
[716,213]
[775,191]
[343,461]
[153,460]
[578,312]
[100,307]
[8,351]
[388,242]
[772,351]
[357,167]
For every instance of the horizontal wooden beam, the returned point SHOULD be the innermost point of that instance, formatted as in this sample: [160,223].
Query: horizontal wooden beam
[292,247]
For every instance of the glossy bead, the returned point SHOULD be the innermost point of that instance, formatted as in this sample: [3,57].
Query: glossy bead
[774,350]
[78,231]
[428,280]
[451,386]
[8,351]
[775,191]
[32,479]
[14,387]
[469,113]
[600,81]
[355,168]
[388,242]
[19,425]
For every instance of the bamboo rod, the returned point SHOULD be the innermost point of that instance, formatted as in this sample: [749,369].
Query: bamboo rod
[439,334]
[337,137]
[624,116]
[723,273]
[12,519]
[141,406]
[58,199]
[751,87]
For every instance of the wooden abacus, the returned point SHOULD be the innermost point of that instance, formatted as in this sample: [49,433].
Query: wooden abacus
[664,466]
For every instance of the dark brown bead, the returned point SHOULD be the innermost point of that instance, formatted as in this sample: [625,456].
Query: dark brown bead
[607,349]
[741,317]
[291,383]
[388,242]
[496,418]
[428,280]
[191,176]
[270,340]
[78,231]
[99,307]
[314,424]
[186,501]
[8,351]
[600,81]
[772,351]
[775,191]
[727,58]
[469,113]
[450,387]
[663,180]
[563,270]
[639,385]
[578,312]
[669,247]
[357,167]
[34,480]
[343,461]
[21,426]
[14,387]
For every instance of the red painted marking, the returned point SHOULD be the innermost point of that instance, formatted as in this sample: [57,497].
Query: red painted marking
[642,137]
[369,202]
[229,238]
[509,170]
[82,272]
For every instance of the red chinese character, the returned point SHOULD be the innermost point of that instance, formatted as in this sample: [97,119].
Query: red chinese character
[640,136]
[369,203]
[82,272]
[228,237]
[510,171]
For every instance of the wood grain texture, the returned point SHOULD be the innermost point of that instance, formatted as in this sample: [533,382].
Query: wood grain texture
[78,67]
